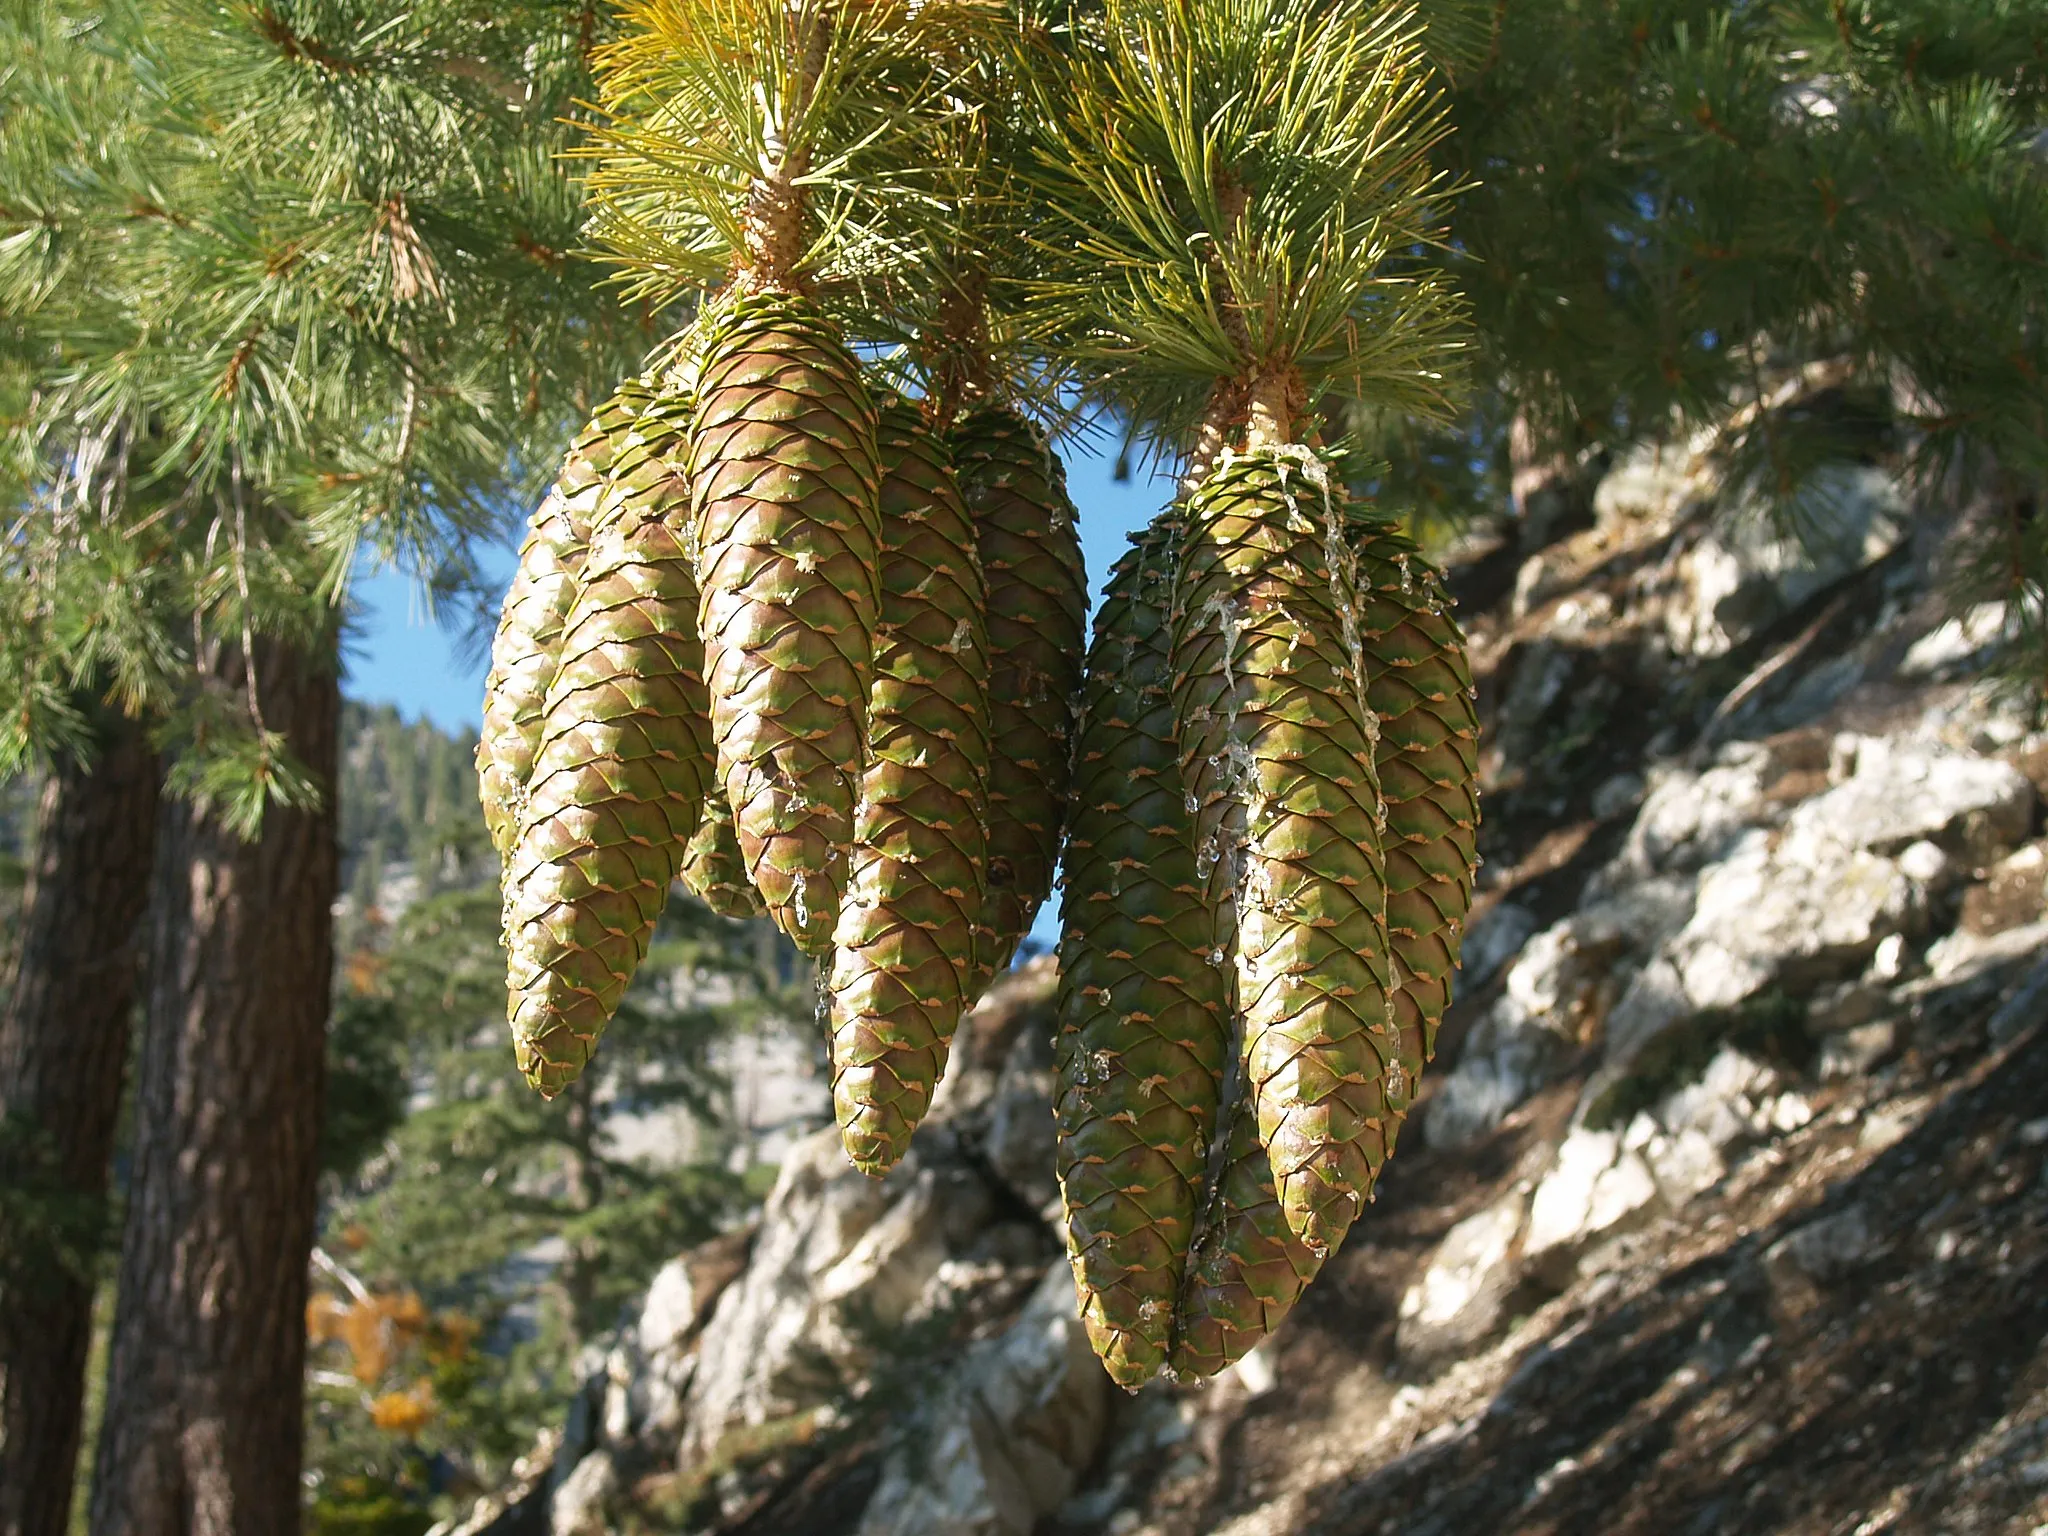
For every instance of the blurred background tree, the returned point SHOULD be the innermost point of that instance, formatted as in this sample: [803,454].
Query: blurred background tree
[1789,235]
[485,1234]
[286,286]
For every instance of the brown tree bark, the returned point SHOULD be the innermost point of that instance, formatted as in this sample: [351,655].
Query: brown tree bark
[63,1044]
[202,1434]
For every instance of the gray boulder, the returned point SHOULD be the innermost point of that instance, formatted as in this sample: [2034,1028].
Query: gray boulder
[1743,573]
[1463,1294]
[1005,1439]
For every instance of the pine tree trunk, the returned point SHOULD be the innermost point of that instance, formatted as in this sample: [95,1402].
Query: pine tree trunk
[202,1435]
[585,1192]
[63,1043]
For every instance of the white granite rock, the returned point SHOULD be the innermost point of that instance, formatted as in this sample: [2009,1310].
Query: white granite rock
[1688,819]
[1007,1437]
[1653,1001]
[1825,892]
[1519,1042]
[1742,574]
[1779,903]
[1459,1299]
[1684,1164]
[578,1505]
[1593,1187]
[1904,792]
[1495,937]
[1653,484]
[1960,645]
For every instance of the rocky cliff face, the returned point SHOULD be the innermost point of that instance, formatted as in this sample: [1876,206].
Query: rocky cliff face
[1728,1209]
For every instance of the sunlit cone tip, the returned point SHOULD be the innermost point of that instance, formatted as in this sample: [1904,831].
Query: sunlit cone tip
[714,870]
[1247,1269]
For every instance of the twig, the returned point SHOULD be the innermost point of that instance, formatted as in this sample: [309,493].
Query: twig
[325,1261]
[1770,668]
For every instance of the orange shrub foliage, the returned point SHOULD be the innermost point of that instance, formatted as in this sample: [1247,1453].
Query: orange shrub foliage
[404,1413]
[375,1330]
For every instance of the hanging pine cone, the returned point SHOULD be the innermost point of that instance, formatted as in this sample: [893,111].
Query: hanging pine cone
[783,482]
[621,772]
[525,650]
[1037,628]
[714,869]
[1142,1029]
[1277,750]
[1419,683]
[1248,1269]
[904,950]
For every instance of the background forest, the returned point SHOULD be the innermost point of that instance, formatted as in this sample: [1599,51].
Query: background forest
[1702,346]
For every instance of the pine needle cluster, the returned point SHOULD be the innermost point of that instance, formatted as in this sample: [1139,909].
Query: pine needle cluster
[284,288]
[1675,213]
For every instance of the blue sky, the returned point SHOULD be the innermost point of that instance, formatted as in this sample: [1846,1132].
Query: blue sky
[400,654]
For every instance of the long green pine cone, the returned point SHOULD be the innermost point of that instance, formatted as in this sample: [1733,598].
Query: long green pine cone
[783,481]
[1248,1269]
[1419,683]
[1277,751]
[1030,546]
[904,948]
[620,777]
[1142,1029]
[526,649]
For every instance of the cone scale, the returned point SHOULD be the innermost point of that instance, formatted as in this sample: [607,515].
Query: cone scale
[526,649]
[904,946]
[1277,753]
[621,772]
[1142,1033]
[1029,542]
[714,869]
[783,480]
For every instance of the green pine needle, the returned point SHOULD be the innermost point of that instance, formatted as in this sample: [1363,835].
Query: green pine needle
[1229,186]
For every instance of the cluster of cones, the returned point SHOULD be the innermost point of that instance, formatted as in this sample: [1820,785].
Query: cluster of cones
[776,634]
[818,650]
[1269,859]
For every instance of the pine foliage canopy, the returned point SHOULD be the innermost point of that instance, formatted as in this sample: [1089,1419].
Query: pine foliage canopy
[286,286]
